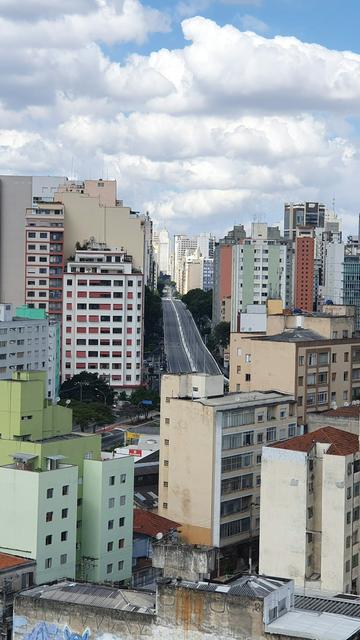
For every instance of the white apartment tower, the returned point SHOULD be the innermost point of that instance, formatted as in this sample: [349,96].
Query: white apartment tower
[310,510]
[103,316]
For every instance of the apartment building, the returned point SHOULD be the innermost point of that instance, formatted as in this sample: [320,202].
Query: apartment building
[61,504]
[197,273]
[44,258]
[310,510]
[17,194]
[29,342]
[261,269]
[304,283]
[103,316]
[302,214]
[222,276]
[210,457]
[317,358]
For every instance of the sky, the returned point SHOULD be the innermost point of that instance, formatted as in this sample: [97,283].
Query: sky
[208,113]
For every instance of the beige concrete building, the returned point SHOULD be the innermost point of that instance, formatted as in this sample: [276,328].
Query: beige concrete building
[346,418]
[310,510]
[313,357]
[210,457]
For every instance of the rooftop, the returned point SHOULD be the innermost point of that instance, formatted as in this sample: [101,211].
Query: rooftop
[8,561]
[93,595]
[232,400]
[150,524]
[343,412]
[250,586]
[341,442]
[294,335]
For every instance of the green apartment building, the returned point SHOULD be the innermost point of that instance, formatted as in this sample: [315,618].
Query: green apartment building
[62,505]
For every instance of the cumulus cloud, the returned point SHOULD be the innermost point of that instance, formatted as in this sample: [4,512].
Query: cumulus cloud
[201,136]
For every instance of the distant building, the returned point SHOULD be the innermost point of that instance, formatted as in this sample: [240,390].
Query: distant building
[16,574]
[302,214]
[62,506]
[30,342]
[317,357]
[162,250]
[213,442]
[304,269]
[310,510]
[222,277]
[103,316]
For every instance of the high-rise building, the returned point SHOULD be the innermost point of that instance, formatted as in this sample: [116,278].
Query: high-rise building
[210,456]
[30,342]
[103,316]
[310,510]
[183,246]
[17,194]
[44,258]
[302,214]
[197,273]
[261,269]
[162,251]
[222,277]
[304,269]
[314,357]
[61,504]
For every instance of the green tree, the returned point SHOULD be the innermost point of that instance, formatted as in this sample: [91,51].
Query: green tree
[90,414]
[221,334]
[86,386]
[199,303]
[153,321]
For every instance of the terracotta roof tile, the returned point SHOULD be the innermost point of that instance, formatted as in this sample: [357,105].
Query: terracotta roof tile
[7,561]
[341,442]
[150,523]
[344,412]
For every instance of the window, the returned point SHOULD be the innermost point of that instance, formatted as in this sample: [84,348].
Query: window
[165,484]
[166,442]
[333,358]
[165,505]
[346,376]
[312,359]
[65,490]
[323,358]
[122,500]
[292,430]
[311,379]
[63,558]
[322,397]
[48,563]
[121,543]
[345,395]
[310,399]
[270,434]
[248,357]
[247,377]
[120,565]
[167,420]
[260,438]
[109,568]
[111,503]
[112,480]
[64,536]
[121,522]
[48,540]
[64,513]
[348,517]
[348,541]
[356,514]
[123,478]
[300,401]
[258,458]
[238,418]
[301,361]
[345,333]
[234,528]
[334,335]
[110,524]
[348,493]
[50,493]
[166,463]
[49,516]
[260,417]
[346,356]
[237,440]
[323,377]
[236,462]
[355,560]
[310,512]
[110,546]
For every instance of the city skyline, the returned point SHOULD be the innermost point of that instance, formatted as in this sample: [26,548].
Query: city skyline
[179,103]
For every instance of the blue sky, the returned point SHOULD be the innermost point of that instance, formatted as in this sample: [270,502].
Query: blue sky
[204,111]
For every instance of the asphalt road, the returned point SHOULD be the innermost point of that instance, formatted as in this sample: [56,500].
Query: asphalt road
[184,347]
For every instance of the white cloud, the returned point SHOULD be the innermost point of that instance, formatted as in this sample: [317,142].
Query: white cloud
[224,128]
[252,23]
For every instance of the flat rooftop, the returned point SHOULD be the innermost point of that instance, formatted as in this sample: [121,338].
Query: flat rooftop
[294,335]
[93,595]
[342,412]
[250,586]
[308,624]
[246,398]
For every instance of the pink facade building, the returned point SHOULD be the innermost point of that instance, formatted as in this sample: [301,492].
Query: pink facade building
[103,317]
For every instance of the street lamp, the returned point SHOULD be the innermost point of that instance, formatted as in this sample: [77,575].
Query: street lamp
[103,394]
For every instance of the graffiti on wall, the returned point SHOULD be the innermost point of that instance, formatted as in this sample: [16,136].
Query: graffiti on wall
[48,631]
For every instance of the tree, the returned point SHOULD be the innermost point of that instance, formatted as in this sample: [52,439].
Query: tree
[90,414]
[88,387]
[199,303]
[153,320]
[222,334]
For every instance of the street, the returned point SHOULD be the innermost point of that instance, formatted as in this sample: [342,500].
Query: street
[184,347]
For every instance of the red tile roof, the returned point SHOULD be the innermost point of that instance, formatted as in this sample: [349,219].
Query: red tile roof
[7,561]
[150,523]
[343,412]
[342,443]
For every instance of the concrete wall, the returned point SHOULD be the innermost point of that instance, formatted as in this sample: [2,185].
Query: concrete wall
[283,512]
[317,420]
[182,614]
[333,523]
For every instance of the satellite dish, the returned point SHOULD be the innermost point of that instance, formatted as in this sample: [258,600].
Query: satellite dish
[57,399]
[159,536]
[67,402]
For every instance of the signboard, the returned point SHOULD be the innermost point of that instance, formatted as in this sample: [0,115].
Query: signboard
[135,452]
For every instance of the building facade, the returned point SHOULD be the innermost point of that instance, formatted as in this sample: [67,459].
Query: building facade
[309,513]
[74,504]
[103,316]
[302,214]
[213,442]
[304,272]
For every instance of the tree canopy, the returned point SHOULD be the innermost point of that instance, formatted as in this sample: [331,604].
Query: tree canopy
[153,320]
[199,303]
[88,387]
[88,415]
[222,334]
